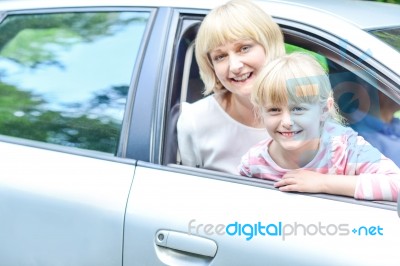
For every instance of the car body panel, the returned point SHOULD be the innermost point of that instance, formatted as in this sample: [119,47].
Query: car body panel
[182,198]
[68,214]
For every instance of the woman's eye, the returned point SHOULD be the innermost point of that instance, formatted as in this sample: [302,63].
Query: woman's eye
[245,48]
[218,58]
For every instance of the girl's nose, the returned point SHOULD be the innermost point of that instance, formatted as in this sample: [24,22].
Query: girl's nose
[287,120]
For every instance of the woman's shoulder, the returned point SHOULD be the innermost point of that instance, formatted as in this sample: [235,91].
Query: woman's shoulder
[196,116]
[205,113]
[200,107]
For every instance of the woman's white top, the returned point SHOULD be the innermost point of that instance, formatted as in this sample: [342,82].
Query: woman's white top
[209,138]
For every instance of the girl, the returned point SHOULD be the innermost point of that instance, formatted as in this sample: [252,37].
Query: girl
[234,42]
[309,150]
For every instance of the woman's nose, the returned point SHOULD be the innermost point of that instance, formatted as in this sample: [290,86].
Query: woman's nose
[235,64]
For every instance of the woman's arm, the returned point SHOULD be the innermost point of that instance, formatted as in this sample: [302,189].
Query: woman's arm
[186,142]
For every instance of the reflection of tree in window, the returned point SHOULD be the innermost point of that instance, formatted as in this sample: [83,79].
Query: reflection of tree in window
[25,39]
[390,36]
[82,114]
[19,116]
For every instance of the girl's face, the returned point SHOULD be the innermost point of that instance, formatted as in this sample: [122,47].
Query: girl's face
[237,64]
[294,127]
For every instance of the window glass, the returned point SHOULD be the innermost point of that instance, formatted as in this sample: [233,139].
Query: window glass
[64,77]
[390,36]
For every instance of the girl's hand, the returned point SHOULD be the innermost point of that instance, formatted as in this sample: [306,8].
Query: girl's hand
[303,181]
[313,182]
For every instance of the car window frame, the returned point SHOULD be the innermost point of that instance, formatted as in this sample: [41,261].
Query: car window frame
[186,23]
[124,133]
[303,37]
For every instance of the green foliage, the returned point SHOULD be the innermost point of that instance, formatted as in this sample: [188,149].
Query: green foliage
[290,48]
[27,47]
[390,37]
[390,1]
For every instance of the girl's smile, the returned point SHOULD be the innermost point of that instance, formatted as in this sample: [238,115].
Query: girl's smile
[289,134]
[294,127]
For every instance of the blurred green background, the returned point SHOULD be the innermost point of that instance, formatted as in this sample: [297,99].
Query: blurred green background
[388,1]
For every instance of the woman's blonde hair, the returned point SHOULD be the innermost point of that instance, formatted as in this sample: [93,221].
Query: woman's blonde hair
[235,20]
[295,78]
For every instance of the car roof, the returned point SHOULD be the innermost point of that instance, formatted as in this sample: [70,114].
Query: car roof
[364,14]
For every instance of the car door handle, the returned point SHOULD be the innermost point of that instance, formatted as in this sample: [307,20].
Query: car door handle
[186,242]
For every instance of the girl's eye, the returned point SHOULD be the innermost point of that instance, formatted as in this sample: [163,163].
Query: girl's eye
[298,109]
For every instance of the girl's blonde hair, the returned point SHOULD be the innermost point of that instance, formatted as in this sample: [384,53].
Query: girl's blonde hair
[235,20]
[295,78]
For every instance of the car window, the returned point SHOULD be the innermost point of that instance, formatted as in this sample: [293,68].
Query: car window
[362,90]
[187,85]
[64,77]
[357,86]
[390,36]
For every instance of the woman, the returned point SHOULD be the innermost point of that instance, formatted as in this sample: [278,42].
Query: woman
[234,42]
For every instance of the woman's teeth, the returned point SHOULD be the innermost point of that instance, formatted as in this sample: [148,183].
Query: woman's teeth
[242,77]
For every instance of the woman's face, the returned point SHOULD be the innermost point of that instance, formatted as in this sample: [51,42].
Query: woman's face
[237,64]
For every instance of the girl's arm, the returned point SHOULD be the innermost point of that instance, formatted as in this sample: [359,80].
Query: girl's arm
[366,186]
[314,182]
[366,174]
[379,177]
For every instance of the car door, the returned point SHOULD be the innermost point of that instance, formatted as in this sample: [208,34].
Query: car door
[61,209]
[65,78]
[184,217]
[179,215]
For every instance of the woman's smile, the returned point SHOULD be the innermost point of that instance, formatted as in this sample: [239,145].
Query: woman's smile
[243,77]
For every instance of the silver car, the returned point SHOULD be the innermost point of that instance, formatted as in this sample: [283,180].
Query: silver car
[90,94]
